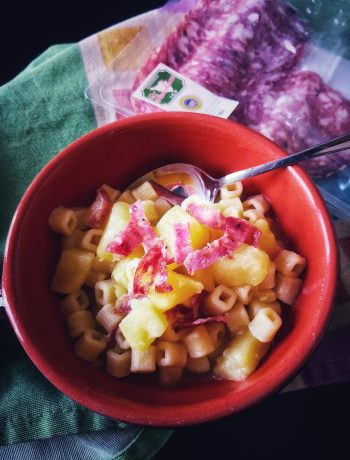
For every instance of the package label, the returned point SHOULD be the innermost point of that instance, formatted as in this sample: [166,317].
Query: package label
[171,91]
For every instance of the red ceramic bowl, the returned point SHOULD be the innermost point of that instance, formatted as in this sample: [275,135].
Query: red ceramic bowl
[117,154]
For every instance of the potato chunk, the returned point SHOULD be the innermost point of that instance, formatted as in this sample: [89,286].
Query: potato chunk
[247,265]
[199,234]
[241,357]
[143,324]
[183,286]
[118,219]
[124,272]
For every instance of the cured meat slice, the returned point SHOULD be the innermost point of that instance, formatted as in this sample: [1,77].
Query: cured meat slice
[181,313]
[182,245]
[298,112]
[152,272]
[241,230]
[100,209]
[222,43]
[198,321]
[207,215]
[137,231]
[236,232]
[181,317]
[123,304]
[236,229]
[164,192]
[202,258]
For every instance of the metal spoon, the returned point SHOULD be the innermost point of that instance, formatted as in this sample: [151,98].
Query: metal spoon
[208,187]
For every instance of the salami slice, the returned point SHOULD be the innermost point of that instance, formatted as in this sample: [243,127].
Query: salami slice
[298,112]
[182,242]
[100,209]
[217,249]
[152,271]
[137,231]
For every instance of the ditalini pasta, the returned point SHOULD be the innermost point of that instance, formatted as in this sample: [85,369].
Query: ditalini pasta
[150,282]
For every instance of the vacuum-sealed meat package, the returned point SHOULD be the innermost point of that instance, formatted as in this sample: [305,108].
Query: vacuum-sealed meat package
[260,53]
[226,44]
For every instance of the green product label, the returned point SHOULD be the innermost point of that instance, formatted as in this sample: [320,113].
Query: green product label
[163,88]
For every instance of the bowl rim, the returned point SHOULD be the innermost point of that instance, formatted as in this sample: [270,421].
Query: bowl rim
[126,413]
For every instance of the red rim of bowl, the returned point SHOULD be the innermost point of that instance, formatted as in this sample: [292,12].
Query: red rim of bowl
[137,413]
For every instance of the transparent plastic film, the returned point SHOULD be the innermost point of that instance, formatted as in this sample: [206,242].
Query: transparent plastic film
[112,88]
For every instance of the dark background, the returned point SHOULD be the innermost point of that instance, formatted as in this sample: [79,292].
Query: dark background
[311,423]
[27,28]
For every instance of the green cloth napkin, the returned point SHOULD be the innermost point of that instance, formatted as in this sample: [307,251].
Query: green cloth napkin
[41,111]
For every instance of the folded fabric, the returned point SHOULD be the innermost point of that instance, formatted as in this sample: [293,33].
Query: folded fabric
[41,111]
[129,444]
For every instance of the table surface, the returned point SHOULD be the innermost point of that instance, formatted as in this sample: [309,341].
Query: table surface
[306,423]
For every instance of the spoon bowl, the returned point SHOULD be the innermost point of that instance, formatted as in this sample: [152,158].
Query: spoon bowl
[208,187]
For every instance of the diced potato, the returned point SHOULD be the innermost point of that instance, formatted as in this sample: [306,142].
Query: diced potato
[124,272]
[183,286]
[150,210]
[174,266]
[206,277]
[267,240]
[215,234]
[118,219]
[241,357]
[72,270]
[199,234]
[143,324]
[247,265]
[137,252]
[119,290]
[174,178]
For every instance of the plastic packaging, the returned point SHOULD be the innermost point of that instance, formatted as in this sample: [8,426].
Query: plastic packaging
[112,88]
[322,54]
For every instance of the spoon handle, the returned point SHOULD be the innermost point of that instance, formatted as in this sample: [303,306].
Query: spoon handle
[335,145]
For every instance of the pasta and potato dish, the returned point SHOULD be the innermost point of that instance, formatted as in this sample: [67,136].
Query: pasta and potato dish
[153,282]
